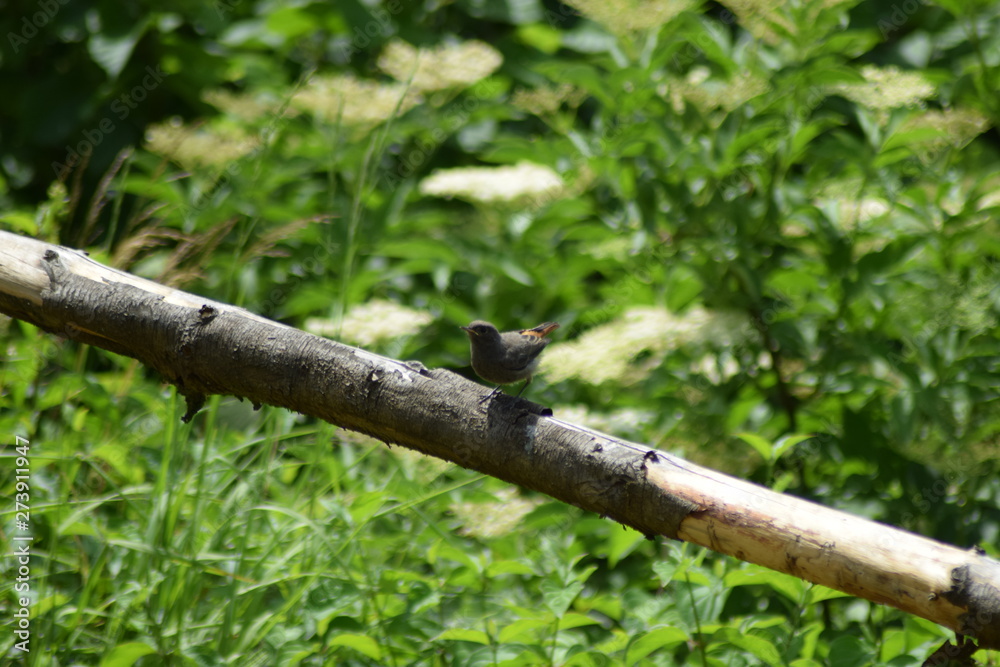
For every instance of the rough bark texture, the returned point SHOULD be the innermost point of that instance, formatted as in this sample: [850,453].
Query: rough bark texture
[205,347]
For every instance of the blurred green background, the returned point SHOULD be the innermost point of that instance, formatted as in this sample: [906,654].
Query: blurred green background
[770,234]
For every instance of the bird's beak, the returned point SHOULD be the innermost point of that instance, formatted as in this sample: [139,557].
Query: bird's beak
[468,330]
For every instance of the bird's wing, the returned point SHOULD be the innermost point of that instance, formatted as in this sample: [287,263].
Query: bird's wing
[521,356]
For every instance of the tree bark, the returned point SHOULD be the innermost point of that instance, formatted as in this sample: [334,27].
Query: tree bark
[205,347]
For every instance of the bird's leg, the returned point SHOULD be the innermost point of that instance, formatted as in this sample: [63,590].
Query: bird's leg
[496,390]
[523,387]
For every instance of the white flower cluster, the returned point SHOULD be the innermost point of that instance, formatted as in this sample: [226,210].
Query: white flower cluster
[489,185]
[609,352]
[372,323]
[447,66]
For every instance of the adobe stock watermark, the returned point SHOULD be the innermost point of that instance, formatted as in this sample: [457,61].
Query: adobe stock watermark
[408,164]
[121,108]
[21,539]
[561,14]
[363,36]
[224,7]
[234,167]
[30,25]
[314,265]
[897,18]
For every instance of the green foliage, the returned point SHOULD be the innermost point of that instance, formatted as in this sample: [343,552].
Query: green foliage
[769,233]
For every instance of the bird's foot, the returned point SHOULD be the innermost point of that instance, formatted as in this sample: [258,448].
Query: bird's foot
[496,390]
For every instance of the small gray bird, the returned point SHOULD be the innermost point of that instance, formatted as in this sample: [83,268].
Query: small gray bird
[505,358]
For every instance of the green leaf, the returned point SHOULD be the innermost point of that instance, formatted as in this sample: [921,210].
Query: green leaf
[588,38]
[851,43]
[621,542]
[541,37]
[525,630]
[752,139]
[559,596]
[20,221]
[791,587]
[290,22]
[423,249]
[818,593]
[442,549]
[516,272]
[964,8]
[572,620]
[808,132]
[847,651]
[668,571]
[125,655]
[879,262]
[507,11]
[786,442]
[704,37]
[116,455]
[913,136]
[888,158]
[755,645]
[760,445]
[465,635]
[112,51]
[363,644]
[682,287]
[665,571]
[583,76]
[654,640]
[503,567]
[365,506]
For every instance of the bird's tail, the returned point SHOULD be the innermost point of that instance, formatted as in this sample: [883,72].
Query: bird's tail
[541,331]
